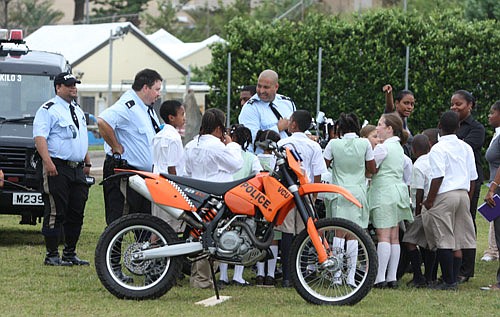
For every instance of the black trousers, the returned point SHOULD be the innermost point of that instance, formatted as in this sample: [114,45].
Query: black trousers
[496,224]
[64,196]
[116,204]
[469,255]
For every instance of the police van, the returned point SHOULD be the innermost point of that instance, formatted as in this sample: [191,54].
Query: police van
[26,82]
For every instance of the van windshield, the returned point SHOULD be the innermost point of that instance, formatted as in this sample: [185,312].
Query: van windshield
[22,95]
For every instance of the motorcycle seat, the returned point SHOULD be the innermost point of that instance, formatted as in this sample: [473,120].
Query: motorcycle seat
[214,188]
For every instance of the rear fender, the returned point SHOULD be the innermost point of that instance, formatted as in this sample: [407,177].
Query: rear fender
[312,188]
[163,191]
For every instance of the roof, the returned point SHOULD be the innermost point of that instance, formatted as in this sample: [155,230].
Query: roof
[78,42]
[34,63]
[178,49]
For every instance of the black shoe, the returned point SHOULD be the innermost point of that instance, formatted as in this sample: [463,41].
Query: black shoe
[462,279]
[74,260]
[124,278]
[392,284]
[236,283]
[445,287]
[259,281]
[286,284]
[269,281]
[380,285]
[222,284]
[56,261]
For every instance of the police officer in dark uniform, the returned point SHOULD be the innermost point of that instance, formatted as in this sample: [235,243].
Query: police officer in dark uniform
[61,139]
[128,128]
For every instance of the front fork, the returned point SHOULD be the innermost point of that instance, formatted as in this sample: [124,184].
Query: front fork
[308,220]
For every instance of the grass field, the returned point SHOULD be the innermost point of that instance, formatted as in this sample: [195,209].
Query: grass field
[29,288]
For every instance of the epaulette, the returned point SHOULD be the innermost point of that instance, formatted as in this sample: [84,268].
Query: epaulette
[47,105]
[286,98]
[289,99]
[251,101]
[130,104]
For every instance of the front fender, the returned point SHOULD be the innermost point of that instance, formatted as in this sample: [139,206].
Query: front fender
[311,188]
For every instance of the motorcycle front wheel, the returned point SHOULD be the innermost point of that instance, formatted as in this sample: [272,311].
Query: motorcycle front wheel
[123,275]
[351,266]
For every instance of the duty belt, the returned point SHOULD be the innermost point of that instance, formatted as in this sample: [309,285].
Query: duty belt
[71,164]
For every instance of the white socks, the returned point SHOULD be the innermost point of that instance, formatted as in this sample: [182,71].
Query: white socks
[271,264]
[261,269]
[384,253]
[352,256]
[238,273]
[223,272]
[392,269]
[338,247]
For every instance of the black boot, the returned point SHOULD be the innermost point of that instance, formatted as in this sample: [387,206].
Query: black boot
[116,265]
[69,252]
[52,256]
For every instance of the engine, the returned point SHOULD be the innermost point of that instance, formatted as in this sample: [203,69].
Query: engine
[234,244]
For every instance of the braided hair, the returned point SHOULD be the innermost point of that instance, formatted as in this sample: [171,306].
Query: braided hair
[241,135]
[265,135]
[212,119]
[348,123]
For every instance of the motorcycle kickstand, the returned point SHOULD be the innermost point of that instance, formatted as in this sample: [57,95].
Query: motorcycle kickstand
[214,280]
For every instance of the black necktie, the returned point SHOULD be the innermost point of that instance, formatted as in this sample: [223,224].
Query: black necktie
[73,115]
[153,121]
[275,111]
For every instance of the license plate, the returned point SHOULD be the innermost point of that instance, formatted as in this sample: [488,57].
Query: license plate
[30,199]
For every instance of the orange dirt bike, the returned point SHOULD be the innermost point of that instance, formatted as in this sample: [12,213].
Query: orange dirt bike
[139,256]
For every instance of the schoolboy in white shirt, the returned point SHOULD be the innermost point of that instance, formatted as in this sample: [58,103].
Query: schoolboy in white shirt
[447,222]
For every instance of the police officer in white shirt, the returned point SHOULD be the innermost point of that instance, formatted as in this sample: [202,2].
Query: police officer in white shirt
[267,110]
[61,139]
[128,128]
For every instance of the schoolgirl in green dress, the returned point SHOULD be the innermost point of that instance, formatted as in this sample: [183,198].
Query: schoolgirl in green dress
[388,197]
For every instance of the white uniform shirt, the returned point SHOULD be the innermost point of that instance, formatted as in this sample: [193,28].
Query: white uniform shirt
[65,141]
[452,159]
[168,151]
[309,151]
[420,177]
[407,169]
[207,158]
[132,125]
[380,150]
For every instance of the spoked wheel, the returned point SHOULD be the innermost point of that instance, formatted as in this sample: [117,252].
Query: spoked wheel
[348,274]
[127,277]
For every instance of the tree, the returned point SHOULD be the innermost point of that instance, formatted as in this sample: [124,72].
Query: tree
[213,21]
[362,54]
[483,9]
[5,17]
[79,16]
[113,10]
[32,14]
[165,19]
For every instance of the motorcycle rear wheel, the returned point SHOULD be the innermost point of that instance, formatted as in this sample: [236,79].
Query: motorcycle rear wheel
[120,273]
[342,283]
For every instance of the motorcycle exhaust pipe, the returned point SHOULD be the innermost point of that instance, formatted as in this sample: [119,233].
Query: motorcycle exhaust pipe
[169,251]
[138,184]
